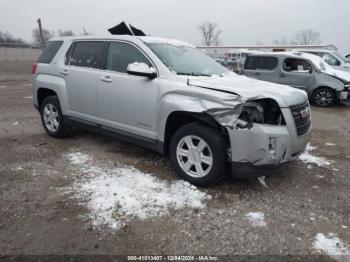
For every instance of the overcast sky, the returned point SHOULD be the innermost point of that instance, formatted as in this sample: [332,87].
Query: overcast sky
[242,21]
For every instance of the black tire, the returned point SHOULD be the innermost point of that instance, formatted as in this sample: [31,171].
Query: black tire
[63,129]
[323,97]
[218,149]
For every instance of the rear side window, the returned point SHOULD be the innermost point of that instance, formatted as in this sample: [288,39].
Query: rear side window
[87,54]
[120,55]
[260,63]
[50,51]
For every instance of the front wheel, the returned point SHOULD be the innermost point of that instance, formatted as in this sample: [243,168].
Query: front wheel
[323,97]
[199,153]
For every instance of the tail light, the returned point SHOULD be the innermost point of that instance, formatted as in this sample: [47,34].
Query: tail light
[34,67]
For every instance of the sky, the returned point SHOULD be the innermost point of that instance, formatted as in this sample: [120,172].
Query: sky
[243,22]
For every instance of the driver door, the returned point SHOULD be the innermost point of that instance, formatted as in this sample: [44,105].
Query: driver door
[127,102]
[297,73]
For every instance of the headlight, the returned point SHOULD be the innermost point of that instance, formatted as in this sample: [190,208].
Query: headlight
[263,111]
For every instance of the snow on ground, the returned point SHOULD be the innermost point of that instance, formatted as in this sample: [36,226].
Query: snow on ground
[332,246]
[330,144]
[15,123]
[308,158]
[28,97]
[115,195]
[256,218]
[3,86]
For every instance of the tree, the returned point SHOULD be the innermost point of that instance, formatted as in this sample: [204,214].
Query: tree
[210,33]
[46,34]
[307,37]
[65,33]
[6,37]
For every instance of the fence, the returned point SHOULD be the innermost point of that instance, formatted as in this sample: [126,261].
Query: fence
[19,52]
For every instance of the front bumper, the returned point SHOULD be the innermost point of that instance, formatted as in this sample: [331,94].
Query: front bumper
[344,97]
[257,151]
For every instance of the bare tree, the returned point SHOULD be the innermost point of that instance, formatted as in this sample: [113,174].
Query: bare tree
[65,32]
[282,41]
[46,33]
[307,37]
[6,37]
[210,33]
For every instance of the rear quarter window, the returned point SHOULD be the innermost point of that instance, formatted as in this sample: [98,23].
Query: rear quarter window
[260,63]
[49,52]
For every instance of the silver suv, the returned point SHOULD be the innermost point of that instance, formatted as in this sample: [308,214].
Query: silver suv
[170,97]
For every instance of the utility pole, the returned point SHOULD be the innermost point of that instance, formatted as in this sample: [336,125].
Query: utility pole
[42,40]
[85,33]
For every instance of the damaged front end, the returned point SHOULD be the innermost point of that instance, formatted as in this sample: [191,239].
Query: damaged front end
[262,136]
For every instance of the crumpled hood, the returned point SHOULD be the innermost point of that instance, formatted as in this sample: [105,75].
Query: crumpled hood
[251,89]
[344,75]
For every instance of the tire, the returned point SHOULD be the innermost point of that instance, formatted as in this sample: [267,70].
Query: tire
[324,97]
[52,118]
[205,162]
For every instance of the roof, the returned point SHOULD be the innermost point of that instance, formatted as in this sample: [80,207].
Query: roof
[146,39]
[284,54]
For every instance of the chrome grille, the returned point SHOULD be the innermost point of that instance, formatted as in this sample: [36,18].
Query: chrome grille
[302,119]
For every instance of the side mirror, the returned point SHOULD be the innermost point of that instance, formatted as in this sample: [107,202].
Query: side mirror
[141,69]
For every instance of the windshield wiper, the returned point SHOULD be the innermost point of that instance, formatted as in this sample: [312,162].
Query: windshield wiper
[191,74]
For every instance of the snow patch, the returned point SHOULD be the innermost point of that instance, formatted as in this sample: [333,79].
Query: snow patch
[256,218]
[330,144]
[15,123]
[28,97]
[115,195]
[309,158]
[3,86]
[332,246]
[77,158]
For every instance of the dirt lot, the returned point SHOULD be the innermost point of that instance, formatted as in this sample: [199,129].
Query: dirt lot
[44,210]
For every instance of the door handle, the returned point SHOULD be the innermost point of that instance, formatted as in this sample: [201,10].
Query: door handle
[106,79]
[257,73]
[282,75]
[64,72]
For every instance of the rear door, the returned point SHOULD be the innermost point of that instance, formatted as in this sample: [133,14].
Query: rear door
[296,72]
[127,102]
[81,72]
[261,67]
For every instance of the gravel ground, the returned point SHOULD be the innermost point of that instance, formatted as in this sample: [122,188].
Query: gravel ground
[43,211]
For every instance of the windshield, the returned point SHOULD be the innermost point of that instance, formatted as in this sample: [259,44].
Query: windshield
[318,62]
[185,60]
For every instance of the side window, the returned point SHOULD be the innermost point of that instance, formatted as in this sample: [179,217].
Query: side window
[120,55]
[50,51]
[296,65]
[331,60]
[261,63]
[69,54]
[87,54]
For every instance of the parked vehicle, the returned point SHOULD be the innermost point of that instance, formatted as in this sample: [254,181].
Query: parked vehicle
[323,84]
[170,97]
[332,58]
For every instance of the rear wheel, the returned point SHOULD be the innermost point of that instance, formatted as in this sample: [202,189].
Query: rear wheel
[52,118]
[198,153]
[323,97]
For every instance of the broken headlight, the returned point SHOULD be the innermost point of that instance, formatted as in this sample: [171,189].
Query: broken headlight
[263,111]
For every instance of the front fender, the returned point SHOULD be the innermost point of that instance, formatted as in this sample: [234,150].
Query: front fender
[225,108]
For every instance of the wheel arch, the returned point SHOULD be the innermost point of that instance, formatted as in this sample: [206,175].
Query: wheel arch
[178,119]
